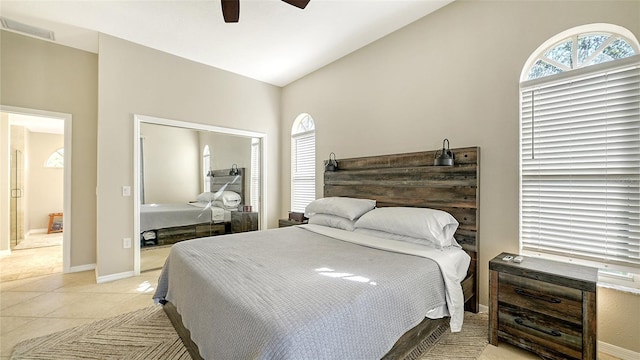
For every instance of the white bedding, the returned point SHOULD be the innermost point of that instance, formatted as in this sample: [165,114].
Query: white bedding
[159,216]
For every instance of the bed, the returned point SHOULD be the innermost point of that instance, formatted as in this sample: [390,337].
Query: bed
[164,224]
[317,291]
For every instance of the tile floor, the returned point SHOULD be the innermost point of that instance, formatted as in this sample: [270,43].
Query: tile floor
[36,305]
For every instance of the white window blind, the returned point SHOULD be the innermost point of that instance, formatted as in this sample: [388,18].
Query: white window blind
[303,170]
[580,166]
[255,174]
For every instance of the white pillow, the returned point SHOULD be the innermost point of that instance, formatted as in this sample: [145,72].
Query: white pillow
[345,207]
[333,221]
[434,225]
[386,235]
[228,198]
[220,204]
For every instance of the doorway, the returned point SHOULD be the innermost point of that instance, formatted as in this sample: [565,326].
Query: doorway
[35,184]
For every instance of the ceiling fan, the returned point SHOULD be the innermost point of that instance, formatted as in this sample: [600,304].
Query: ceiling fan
[231,8]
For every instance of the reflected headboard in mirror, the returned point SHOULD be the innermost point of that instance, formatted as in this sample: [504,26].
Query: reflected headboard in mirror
[222,179]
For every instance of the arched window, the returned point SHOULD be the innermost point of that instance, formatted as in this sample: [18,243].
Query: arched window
[580,149]
[55,160]
[303,162]
[206,167]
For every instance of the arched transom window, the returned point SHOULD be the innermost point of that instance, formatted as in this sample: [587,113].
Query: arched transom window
[580,50]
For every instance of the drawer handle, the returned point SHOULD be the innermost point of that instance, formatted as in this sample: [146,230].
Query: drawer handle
[548,332]
[543,298]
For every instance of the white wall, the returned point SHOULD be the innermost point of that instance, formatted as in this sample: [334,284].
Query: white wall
[44,186]
[453,74]
[137,80]
[171,164]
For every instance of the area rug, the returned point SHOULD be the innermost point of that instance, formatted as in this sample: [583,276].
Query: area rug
[148,334]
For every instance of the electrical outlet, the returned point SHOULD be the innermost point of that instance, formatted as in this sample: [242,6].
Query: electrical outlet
[126,243]
[126,191]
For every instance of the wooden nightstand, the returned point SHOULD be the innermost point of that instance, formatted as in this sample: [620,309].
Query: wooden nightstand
[287,222]
[243,221]
[543,306]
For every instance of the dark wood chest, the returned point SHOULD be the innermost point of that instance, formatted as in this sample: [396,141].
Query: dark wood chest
[543,306]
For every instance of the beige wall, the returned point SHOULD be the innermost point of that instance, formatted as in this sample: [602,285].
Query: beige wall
[171,164]
[137,80]
[41,75]
[44,188]
[453,74]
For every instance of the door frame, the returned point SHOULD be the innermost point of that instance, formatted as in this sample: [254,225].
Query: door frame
[66,205]
[139,119]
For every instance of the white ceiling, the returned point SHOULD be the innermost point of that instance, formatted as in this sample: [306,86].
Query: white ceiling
[37,124]
[273,42]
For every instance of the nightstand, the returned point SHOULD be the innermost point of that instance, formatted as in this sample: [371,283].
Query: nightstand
[543,306]
[287,222]
[243,221]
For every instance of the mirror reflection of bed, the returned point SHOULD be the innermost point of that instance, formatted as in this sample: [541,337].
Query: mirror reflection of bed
[194,184]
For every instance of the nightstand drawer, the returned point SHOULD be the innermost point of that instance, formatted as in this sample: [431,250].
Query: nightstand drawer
[551,333]
[546,298]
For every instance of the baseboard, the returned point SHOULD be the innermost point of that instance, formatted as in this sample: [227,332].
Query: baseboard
[483,308]
[80,268]
[36,231]
[5,252]
[621,353]
[113,277]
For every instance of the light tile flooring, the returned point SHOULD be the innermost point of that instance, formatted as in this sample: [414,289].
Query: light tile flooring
[36,305]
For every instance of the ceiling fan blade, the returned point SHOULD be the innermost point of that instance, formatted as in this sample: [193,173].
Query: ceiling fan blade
[297,3]
[230,10]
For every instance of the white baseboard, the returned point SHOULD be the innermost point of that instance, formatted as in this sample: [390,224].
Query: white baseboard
[113,277]
[5,252]
[621,353]
[36,231]
[80,268]
[483,308]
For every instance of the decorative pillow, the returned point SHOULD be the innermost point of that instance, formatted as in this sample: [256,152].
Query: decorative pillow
[333,221]
[429,224]
[386,235]
[345,207]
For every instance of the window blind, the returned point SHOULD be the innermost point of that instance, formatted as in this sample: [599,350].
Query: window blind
[303,170]
[255,174]
[580,167]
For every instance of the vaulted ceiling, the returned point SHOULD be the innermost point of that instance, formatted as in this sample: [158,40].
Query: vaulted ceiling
[273,42]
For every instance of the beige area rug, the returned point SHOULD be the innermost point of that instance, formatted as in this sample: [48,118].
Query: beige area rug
[148,334]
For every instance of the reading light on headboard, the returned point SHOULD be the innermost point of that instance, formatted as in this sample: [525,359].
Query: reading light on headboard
[446,157]
[234,170]
[331,164]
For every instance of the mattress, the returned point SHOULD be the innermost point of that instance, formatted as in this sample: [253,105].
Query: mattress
[308,292]
[159,216]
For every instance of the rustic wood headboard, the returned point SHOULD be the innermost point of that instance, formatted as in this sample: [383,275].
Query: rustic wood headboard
[221,178]
[412,180]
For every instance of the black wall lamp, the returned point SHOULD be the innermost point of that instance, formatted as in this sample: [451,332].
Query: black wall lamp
[446,157]
[331,164]
[234,170]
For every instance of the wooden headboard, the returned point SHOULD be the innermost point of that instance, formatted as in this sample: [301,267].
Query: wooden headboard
[412,180]
[221,178]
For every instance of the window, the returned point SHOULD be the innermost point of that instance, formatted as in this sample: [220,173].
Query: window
[255,174]
[580,152]
[55,160]
[303,162]
[206,167]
